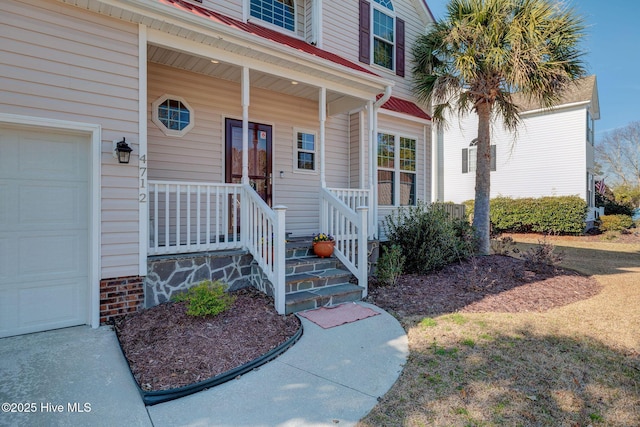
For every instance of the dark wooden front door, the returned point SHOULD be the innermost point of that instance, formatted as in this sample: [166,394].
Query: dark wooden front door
[259,156]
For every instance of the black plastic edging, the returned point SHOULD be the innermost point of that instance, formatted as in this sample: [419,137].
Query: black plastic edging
[154,397]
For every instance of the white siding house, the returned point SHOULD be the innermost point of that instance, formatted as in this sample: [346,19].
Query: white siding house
[244,127]
[551,154]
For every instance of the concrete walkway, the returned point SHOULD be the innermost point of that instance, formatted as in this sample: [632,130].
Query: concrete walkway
[330,377]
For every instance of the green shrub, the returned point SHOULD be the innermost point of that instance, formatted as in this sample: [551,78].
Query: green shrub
[615,222]
[549,215]
[429,238]
[206,298]
[390,265]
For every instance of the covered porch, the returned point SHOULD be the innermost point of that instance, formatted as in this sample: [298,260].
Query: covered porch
[238,175]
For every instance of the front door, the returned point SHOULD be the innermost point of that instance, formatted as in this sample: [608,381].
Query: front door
[259,156]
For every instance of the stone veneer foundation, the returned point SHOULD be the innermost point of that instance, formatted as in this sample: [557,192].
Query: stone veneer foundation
[174,273]
[120,296]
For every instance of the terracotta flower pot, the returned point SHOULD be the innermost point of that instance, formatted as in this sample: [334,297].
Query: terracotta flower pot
[323,249]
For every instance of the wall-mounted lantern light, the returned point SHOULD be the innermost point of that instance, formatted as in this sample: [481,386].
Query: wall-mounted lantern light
[122,151]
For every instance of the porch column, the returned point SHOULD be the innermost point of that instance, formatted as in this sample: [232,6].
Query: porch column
[322,111]
[245,125]
[373,163]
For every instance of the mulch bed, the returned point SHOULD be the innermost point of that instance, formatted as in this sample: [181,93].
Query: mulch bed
[492,283]
[166,348]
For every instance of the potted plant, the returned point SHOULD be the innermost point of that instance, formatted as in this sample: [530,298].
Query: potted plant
[323,244]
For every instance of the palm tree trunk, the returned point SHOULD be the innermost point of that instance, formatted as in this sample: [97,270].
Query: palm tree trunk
[481,221]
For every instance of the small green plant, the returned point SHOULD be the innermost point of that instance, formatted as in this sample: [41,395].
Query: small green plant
[207,298]
[390,265]
[542,257]
[469,342]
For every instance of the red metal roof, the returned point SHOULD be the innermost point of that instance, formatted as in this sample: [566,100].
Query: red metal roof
[406,107]
[266,33]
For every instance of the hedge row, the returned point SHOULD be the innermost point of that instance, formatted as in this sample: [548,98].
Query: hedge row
[555,215]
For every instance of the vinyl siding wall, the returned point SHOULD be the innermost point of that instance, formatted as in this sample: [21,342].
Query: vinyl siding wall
[199,155]
[64,63]
[548,159]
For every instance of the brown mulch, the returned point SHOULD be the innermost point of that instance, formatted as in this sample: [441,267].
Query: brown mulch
[492,283]
[166,348]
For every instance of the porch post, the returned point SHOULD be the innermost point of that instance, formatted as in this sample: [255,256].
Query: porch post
[373,162]
[279,266]
[322,111]
[245,125]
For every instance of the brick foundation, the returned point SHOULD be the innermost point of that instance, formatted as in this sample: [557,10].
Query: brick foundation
[119,296]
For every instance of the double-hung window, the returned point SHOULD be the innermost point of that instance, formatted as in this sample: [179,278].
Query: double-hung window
[277,12]
[396,170]
[383,30]
[305,151]
[381,36]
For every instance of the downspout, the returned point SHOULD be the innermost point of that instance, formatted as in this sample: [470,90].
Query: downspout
[373,169]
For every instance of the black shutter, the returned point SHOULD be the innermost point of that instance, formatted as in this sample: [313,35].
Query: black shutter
[493,157]
[365,32]
[399,47]
[465,160]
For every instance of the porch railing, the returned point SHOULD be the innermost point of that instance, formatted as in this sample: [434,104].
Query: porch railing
[187,217]
[354,198]
[349,227]
[265,239]
[193,217]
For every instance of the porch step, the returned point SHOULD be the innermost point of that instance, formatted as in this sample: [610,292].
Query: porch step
[313,282]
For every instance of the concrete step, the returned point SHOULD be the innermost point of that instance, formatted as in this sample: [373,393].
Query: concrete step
[320,297]
[316,279]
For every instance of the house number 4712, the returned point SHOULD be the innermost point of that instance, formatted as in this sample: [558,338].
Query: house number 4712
[142,171]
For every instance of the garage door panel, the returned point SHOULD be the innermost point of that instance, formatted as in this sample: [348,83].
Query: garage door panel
[54,254]
[65,159]
[47,204]
[49,301]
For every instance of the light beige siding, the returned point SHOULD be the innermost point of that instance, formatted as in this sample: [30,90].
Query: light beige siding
[65,63]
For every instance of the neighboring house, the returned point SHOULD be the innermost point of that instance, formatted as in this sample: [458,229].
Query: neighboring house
[248,120]
[551,154]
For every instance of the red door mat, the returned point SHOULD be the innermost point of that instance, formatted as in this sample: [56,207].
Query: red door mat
[328,317]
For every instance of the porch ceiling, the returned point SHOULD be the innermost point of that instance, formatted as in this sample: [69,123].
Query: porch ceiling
[231,72]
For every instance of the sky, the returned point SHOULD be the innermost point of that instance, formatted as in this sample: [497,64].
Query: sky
[612,45]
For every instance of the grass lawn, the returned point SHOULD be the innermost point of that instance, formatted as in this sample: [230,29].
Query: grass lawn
[576,365]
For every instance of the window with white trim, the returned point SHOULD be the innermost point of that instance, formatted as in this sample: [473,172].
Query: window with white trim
[383,33]
[396,170]
[277,12]
[470,157]
[173,115]
[305,151]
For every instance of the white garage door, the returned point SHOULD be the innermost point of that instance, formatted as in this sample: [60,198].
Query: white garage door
[44,248]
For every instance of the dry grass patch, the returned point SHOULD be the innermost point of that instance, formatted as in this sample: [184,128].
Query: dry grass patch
[575,365]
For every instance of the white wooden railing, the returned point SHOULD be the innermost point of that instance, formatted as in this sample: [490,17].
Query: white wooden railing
[354,198]
[265,238]
[593,213]
[349,228]
[193,217]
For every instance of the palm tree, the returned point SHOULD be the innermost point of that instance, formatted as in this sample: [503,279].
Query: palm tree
[483,52]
